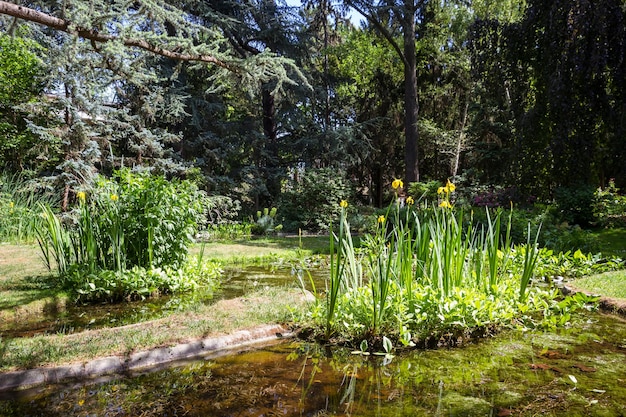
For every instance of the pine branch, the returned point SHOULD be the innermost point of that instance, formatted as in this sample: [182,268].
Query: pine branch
[66,26]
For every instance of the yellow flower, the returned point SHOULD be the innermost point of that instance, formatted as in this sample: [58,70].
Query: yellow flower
[441,190]
[80,195]
[344,203]
[445,204]
[450,187]
[114,197]
[410,201]
[397,184]
[381,219]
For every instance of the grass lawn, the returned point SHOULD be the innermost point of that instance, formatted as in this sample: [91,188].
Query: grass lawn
[24,292]
[608,284]
[247,249]
[611,242]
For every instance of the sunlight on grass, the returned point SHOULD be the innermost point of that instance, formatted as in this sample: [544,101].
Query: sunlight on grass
[267,305]
[18,261]
[609,284]
[265,247]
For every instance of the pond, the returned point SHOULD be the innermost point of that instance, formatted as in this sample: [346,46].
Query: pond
[579,371]
[235,282]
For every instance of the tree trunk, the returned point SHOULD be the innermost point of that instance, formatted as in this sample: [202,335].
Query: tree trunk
[272,156]
[411,106]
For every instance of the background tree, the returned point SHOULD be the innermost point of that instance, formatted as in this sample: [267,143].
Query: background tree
[558,75]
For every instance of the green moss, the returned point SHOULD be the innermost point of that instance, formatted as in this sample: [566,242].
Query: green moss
[458,405]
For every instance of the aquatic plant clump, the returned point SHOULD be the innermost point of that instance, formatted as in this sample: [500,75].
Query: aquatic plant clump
[126,238]
[430,277]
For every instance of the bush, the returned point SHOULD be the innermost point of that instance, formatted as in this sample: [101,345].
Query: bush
[158,217]
[137,222]
[424,191]
[609,208]
[312,201]
[219,210]
[575,204]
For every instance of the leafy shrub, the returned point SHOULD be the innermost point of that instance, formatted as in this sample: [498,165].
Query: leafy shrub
[159,218]
[128,231]
[312,201]
[265,223]
[609,208]
[219,210]
[424,191]
[575,204]
[140,283]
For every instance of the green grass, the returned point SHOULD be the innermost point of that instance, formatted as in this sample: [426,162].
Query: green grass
[608,284]
[267,247]
[23,286]
[611,242]
[273,305]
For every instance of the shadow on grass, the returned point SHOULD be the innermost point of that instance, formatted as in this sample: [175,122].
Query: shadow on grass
[611,242]
[31,289]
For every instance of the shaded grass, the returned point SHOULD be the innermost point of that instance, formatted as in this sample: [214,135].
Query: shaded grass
[267,305]
[24,285]
[264,247]
[611,242]
[608,284]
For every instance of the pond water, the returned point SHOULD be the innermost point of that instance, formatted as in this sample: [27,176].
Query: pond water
[235,282]
[573,372]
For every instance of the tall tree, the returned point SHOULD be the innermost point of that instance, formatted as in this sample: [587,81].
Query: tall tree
[560,75]
[389,16]
[114,74]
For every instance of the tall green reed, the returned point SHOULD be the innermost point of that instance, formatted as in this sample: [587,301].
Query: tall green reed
[19,208]
[531,254]
[55,243]
[433,250]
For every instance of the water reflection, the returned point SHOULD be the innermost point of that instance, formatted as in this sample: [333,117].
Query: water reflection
[235,282]
[580,371]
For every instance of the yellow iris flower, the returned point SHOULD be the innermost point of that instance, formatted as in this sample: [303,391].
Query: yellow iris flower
[343,203]
[450,187]
[445,204]
[410,201]
[397,184]
[381,219]
[80,195]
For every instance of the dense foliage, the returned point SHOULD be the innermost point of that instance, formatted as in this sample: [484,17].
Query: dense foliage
[524,94]
[128,237]
[427,277]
